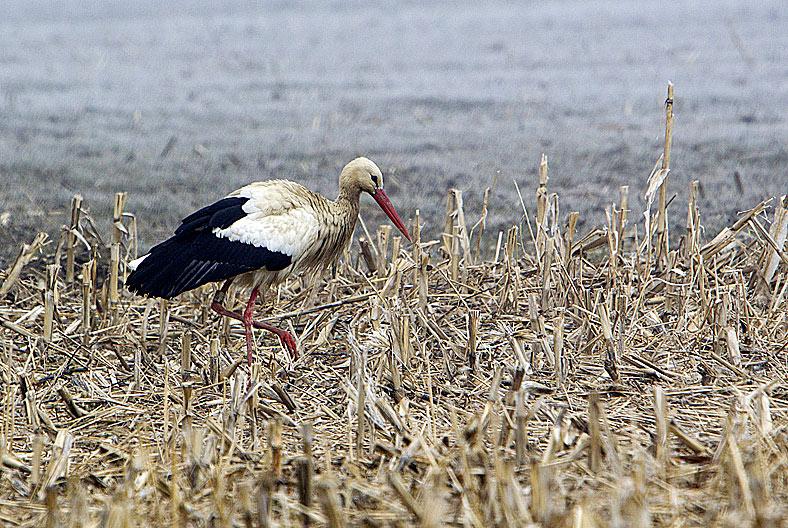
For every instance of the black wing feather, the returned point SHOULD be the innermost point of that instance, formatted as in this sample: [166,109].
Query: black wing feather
[194,256]
[220,214]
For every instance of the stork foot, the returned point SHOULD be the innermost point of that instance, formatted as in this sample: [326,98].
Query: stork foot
[284,336]
[288,341]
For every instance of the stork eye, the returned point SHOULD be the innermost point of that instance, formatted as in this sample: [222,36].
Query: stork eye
[375,180]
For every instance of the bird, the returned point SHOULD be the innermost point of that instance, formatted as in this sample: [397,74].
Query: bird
[256,237]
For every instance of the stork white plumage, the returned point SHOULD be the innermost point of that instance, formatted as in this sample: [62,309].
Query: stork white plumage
[258,236]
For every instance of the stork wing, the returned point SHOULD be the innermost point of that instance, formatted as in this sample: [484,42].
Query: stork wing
[223,240]
[290,233]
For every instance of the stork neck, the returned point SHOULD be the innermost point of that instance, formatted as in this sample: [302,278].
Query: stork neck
[346,208]
[348,201]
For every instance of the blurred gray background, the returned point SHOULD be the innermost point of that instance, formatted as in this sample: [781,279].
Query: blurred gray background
[439,94]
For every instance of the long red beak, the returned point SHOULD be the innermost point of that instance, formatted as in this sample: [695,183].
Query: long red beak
[385,204]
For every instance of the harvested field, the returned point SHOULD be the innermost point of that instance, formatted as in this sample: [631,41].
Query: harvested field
[565,379]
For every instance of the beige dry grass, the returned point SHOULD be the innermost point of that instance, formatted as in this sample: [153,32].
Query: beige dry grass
[562,381]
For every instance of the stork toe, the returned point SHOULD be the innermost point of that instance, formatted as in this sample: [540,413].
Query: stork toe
[289,342]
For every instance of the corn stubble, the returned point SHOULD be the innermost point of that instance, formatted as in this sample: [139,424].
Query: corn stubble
[605,380]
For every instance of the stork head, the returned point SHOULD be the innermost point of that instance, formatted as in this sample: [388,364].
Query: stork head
[362,175]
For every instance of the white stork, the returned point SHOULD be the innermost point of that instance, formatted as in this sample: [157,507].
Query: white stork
[259,235]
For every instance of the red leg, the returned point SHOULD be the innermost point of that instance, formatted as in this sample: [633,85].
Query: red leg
[284,336]
[248,313]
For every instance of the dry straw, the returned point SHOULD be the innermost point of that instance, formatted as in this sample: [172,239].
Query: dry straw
[605,379]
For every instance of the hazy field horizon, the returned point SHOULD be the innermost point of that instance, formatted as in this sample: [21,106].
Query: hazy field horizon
[462,96]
